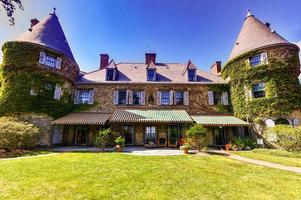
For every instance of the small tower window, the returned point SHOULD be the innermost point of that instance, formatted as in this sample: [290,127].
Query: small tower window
[151,74]
[258,90]
[258,59]
[191,75]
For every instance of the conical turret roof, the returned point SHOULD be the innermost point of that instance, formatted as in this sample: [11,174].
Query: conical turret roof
[48,32]
[254,34]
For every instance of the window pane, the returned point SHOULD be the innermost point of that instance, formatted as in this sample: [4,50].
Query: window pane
[110,75]
[50,61]
[137,97]
[151,74]
[179,98]
[258,90]
[217,98]
[122,97]
[165,98]
[255,60]
[84,96]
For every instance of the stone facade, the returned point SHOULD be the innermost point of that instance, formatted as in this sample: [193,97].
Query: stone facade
[198,96]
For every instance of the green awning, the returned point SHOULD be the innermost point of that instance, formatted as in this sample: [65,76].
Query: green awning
[219,120]
[151,115]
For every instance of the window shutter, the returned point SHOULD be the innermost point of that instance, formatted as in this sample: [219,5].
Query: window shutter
[248,93]
[171,102]
[142,98]
[264,58]
[57,92]
[33,91]
[159,97]
[58,63]
[115,98]
[76,97]
[210,98]
[42,58]
[129,97]
[186,98]
[91,97]
[225,98]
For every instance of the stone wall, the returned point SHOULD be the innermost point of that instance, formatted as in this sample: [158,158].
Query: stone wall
[198,96]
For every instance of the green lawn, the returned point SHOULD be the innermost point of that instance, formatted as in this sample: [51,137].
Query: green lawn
[22,153]
[120,176]
[273,155]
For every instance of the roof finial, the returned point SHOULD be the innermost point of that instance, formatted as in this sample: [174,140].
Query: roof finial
[249,13]
[54,9]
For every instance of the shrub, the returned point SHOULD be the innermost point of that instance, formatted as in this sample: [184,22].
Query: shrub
[120,141]
[17,134]
[287,137]
[102,137]
[198,134]
[244,142]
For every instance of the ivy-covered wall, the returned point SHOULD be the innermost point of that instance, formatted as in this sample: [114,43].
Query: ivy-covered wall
[20,71]
[282,90]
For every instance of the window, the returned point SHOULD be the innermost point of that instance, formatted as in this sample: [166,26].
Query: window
[136,97]
[150,135]
[128,134]
[179,98]
[50,61]
[259,59]
[110,74]
[258,90]
[122,97]
[84,96]
[165,100]
[191,75]
[217,98]
[151,75]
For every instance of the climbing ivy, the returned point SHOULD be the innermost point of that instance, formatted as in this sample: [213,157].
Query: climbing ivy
[219,88]
[20,72]
[282,89]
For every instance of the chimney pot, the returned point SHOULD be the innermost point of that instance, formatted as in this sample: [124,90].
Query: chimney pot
[104,61]
[150,57]
[268,24]
[216,68]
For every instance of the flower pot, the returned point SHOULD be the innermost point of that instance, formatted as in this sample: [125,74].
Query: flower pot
[118,148]
[228,147]
[185,151]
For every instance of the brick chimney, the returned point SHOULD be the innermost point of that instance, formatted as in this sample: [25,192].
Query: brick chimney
[150,57]
[216,68]
[104,61]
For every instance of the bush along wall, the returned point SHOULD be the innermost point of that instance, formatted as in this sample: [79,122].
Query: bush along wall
[282,88]
[26,86]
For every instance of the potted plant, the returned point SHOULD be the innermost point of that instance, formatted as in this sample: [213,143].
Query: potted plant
[185,147]
[228,147]
[119,143]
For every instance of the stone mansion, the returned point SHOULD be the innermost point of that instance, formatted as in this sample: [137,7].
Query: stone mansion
[150,103]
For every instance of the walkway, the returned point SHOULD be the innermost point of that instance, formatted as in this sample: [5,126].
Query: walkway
[257,162]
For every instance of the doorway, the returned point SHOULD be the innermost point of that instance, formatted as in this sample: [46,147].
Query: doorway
[128,134]
[81,135]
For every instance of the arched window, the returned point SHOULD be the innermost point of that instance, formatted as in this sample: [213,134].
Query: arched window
[282,121]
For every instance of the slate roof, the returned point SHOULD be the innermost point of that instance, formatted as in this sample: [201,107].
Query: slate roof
[48,32]
[136,73]
[254,34]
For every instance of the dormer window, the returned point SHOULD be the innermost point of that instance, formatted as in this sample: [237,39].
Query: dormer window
[191,75]
[151,74]
[258,59]
[50,61]
[110,74]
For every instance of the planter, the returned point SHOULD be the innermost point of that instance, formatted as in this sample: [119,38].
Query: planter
[186,151]
[228,147]
[118,148]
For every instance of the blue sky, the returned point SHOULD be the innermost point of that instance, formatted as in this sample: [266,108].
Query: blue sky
[201,30]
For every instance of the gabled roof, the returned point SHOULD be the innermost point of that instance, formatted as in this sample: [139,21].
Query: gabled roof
[151,65]
[254,34]
[112,65]
[49,33]
[136,73]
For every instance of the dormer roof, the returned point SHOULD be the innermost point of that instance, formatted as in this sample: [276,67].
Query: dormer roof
[151,65]
[49,33]
[190,65]
[112,65]
[254,34]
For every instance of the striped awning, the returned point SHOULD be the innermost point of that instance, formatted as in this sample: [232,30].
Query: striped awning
[83,118]
[219,120]
[151,115]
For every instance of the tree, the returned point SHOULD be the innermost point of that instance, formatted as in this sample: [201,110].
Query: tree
[102,137]
[198,134]
[10,7]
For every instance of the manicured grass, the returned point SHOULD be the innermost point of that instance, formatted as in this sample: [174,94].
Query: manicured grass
[120,176]
[273,155]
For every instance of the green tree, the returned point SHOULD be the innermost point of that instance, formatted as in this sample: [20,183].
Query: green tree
[198,134]
[10,6]
[102,137]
